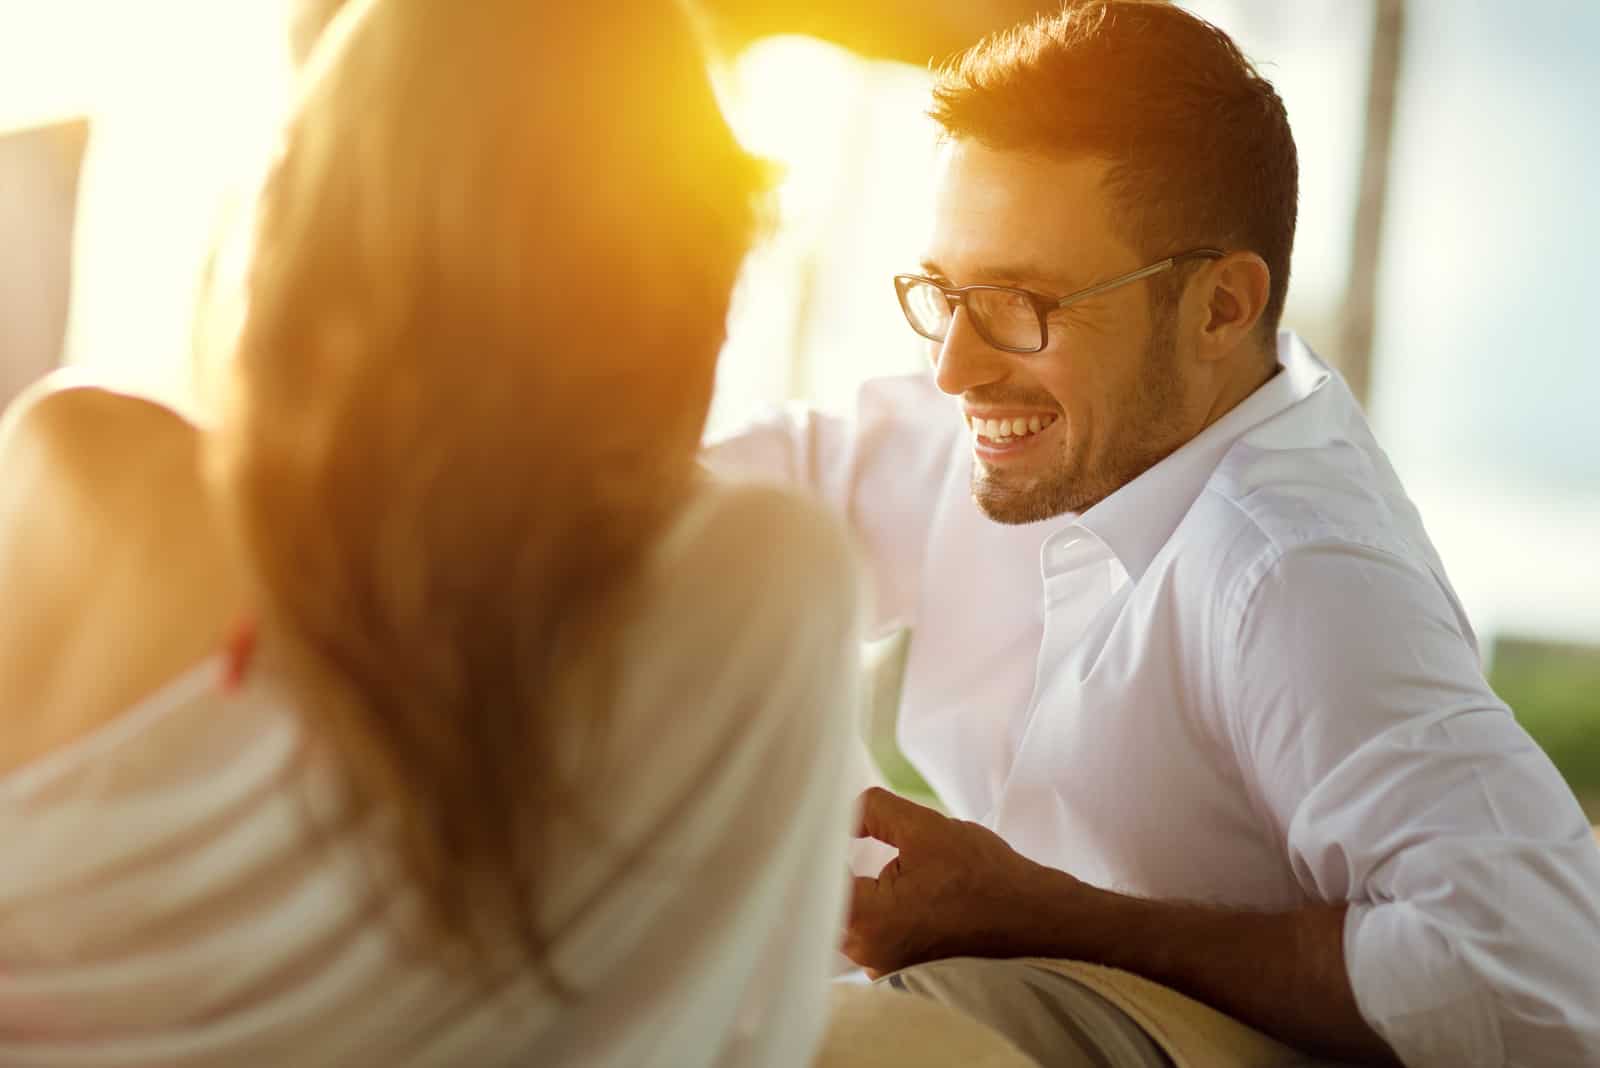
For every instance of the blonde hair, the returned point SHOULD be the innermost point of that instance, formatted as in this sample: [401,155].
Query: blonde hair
[489,282]
[307,20]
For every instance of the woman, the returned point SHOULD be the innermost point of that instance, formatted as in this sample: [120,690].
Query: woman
[427,709]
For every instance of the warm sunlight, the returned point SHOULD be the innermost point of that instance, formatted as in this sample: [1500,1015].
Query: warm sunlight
[69,58]
[180,94]
[815,313]
[784,96]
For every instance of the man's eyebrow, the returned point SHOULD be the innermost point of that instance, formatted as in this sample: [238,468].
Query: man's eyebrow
[1022,274]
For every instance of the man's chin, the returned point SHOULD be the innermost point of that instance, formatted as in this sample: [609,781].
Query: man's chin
[1016,505]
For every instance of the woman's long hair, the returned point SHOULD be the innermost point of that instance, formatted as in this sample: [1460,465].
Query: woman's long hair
[489,282]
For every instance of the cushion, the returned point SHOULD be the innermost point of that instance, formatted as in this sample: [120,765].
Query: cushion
[880,1027]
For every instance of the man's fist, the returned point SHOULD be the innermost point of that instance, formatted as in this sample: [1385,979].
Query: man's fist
[956,889]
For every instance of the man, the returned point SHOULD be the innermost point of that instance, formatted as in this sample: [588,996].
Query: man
[1180,644]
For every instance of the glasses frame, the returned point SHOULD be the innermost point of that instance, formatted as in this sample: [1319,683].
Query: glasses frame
[1043,306]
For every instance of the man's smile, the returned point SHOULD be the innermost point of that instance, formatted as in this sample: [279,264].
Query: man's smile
[1000,435]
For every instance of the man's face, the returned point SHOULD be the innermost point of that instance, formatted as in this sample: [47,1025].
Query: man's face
[1108,389]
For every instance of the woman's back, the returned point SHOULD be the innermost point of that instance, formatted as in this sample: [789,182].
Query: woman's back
[179,888]
[537,756]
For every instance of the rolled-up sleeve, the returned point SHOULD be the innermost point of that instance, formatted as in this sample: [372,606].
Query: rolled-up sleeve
[1402,785]
[881,468]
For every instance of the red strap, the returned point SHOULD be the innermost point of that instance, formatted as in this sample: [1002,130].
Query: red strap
[237,653]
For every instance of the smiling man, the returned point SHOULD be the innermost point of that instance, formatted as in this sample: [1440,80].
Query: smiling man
[1053,435]
[1183,660]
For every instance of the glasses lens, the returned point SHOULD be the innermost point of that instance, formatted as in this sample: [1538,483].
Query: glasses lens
[926,306]
[1007,317]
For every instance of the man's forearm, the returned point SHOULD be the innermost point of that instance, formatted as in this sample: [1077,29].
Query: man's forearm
[1281,972]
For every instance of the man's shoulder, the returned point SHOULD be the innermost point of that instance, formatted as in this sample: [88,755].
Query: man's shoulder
[1263,504]
[1331,492]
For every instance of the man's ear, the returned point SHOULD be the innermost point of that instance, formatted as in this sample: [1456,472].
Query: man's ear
[1235,295]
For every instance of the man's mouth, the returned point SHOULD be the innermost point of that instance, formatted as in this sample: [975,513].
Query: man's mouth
[1007,433]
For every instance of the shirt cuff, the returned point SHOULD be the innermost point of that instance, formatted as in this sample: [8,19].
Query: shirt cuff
[1415,991]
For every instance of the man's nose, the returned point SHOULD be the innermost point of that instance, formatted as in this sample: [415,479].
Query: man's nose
[966,361]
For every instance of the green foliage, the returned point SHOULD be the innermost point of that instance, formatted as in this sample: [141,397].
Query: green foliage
[1555,692]
[884,664]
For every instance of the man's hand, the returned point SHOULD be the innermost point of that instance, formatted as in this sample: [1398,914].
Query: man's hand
[956,889]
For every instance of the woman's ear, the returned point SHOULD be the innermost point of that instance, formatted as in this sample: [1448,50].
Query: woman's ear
[1236,291]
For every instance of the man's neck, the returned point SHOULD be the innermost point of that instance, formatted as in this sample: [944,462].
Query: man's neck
[1253,372]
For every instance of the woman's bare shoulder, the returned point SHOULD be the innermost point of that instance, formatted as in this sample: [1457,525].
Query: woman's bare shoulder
[114,574]
[65,429]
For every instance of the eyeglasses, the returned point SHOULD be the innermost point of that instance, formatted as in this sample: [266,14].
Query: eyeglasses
[1012,320]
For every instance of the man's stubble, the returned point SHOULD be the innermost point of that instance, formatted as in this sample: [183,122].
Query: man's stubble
[1146,432]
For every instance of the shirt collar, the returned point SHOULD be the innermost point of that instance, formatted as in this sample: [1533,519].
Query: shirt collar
[1138,519]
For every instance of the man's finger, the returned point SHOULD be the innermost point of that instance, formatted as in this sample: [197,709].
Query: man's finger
[863,897]
[890,818]
[860,919]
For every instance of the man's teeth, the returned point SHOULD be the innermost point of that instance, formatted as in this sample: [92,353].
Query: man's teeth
[1001,430]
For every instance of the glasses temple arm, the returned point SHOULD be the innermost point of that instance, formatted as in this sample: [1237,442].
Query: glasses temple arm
[1133,276]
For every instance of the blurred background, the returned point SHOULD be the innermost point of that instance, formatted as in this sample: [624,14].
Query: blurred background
[1447,224]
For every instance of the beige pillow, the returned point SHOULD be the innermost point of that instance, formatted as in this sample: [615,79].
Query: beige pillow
[880,1027]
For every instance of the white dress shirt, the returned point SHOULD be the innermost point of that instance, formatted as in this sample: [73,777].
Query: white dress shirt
[164,901]
[1243,679]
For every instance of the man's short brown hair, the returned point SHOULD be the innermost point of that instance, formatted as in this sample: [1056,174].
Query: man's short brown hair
[1199,142]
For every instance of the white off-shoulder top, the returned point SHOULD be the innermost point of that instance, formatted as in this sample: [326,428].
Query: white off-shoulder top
[165,898]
